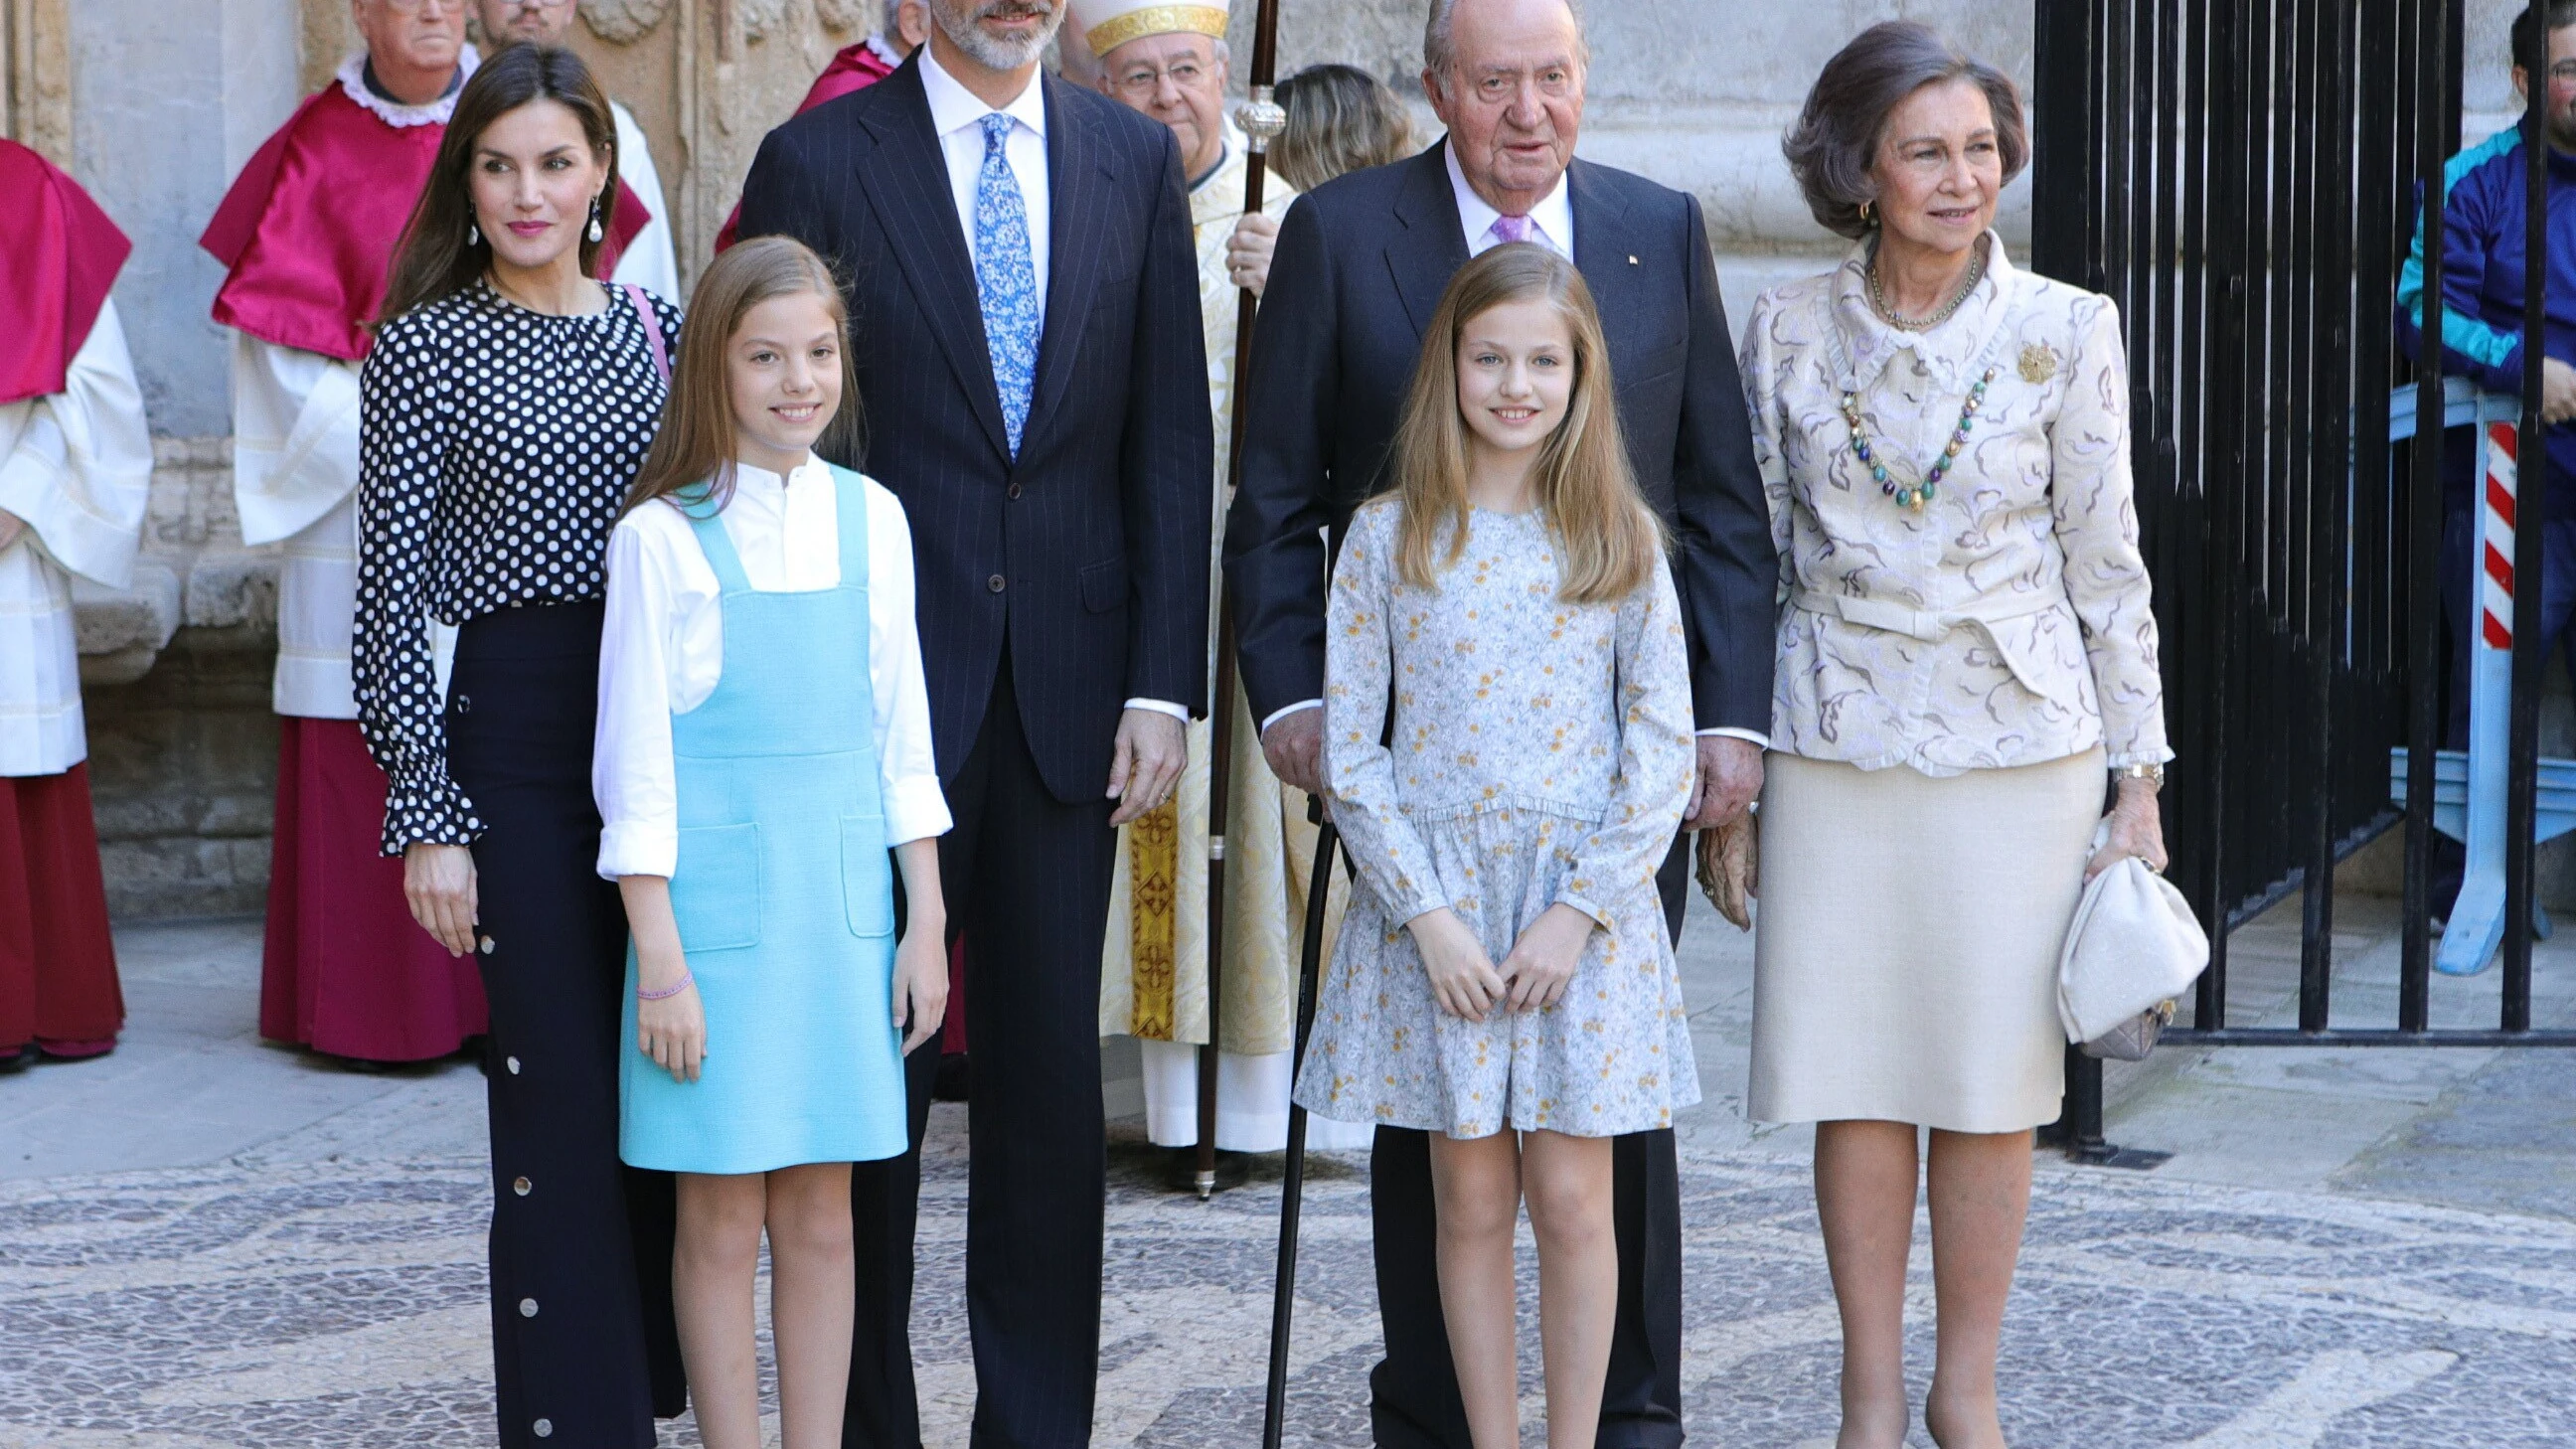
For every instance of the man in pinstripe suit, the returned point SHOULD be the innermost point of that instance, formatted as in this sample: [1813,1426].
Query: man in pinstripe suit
[1024,316]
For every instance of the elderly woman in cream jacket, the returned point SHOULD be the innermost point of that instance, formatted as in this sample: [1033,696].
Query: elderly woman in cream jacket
[1967,666]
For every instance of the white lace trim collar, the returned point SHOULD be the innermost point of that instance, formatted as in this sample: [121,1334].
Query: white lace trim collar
[352,76]
[885,51]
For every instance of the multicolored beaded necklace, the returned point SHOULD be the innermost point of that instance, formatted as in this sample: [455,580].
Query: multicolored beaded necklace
[1913,498]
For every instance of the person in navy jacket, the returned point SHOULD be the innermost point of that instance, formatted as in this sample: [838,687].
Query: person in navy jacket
[2483,212]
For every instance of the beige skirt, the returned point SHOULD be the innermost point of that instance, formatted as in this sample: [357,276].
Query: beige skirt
[1905,965]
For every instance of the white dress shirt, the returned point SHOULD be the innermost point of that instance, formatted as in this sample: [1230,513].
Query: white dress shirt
[662,651]
[1551,226]
[1551,217]
[957,115]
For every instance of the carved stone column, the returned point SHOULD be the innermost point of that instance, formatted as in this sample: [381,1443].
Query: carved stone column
[35,76]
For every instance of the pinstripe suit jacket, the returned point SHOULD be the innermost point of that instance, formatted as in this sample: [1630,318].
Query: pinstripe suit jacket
[1088,555]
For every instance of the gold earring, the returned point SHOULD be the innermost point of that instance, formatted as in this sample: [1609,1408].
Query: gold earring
[1865,218]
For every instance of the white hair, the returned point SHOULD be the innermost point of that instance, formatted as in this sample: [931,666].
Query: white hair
[1439,36]
[957,18]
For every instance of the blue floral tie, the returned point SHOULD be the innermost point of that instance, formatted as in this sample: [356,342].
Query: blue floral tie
[1007,278]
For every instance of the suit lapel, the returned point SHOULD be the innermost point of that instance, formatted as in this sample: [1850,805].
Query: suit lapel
[1075,201]
[1606,254]
[906,176]
[1432,246]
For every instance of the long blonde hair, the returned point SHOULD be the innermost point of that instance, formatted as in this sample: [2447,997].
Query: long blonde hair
[1605,535]
[696,444]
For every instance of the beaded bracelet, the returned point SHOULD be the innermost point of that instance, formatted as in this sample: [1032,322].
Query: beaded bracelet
[686,981]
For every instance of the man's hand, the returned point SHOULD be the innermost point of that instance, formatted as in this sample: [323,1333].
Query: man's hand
[1294,746]
[11,525]
[1730,780]
[1247,255]
[2557,393]
[1146,765]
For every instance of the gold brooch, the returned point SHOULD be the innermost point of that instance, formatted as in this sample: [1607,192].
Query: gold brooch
[2038,363]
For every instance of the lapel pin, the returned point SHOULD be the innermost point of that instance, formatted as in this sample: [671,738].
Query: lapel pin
[2038,362]
[1632,260]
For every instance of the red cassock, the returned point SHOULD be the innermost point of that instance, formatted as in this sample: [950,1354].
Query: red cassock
[59,254]
[855,68]
[308,234]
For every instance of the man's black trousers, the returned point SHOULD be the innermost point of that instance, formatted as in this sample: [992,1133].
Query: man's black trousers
[1026,876]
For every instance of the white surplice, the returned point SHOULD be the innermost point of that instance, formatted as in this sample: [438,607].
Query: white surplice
[649,261]
[76,467]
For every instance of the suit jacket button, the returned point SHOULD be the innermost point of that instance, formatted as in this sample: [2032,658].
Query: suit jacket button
[545,1428]
[995,583]
[1011,492]
[522,1186]
[527,1308]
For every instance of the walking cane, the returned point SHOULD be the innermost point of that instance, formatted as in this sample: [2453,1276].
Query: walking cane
[1262,120]
[1283,1293]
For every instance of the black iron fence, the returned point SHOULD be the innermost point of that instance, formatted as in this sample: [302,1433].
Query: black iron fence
[2241,176]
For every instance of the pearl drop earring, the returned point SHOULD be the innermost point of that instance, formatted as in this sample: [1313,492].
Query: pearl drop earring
[473,235]
[595,232]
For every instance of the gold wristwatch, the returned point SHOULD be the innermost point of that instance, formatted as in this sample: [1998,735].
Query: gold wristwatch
[2154,775]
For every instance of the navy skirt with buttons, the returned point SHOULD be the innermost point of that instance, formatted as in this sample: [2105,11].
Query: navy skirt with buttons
[585,1350]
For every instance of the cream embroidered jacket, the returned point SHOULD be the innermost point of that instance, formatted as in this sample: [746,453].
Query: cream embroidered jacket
[2007,622]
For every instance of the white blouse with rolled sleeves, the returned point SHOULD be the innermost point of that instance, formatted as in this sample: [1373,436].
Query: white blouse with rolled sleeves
[662,651]
[76,468]
[2005,623]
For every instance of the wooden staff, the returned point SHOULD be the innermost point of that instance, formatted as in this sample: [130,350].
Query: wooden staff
[1262,120]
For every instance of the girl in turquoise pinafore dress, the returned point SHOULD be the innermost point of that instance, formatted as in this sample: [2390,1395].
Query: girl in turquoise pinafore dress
[764,742]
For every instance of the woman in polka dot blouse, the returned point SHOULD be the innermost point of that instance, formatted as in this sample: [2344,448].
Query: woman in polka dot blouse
[504,412]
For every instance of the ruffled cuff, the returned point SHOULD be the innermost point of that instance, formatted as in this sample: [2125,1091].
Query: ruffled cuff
[424,807]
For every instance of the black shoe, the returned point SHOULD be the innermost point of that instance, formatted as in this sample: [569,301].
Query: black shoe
[19,1058]
[950,1082]
[365,1066]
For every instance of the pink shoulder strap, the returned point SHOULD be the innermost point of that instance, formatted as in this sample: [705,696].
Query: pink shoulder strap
[652,329]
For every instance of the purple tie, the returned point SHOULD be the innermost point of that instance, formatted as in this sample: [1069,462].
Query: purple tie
[1512,228]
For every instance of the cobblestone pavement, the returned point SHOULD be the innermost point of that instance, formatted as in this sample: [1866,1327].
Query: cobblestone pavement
[206,1243]
[341,1304]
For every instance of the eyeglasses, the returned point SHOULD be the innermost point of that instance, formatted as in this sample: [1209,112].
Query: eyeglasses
[1142,82]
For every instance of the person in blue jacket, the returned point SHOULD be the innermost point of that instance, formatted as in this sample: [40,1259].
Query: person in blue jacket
[2484,206]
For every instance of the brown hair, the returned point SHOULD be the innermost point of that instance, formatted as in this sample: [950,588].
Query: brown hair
[1835,142]
[436,259]
[696,444]
[1340,119]
[1605,535]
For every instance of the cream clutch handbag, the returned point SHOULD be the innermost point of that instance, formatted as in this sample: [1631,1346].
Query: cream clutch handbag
[2132,948]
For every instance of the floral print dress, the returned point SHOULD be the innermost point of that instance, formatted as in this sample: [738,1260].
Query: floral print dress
[1542,753]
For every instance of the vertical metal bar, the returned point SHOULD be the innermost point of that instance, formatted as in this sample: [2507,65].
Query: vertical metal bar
[2522,773]
[2313,477]
[2424,534]
[2220,582]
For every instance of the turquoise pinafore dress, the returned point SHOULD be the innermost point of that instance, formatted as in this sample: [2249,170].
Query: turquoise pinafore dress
[783,889]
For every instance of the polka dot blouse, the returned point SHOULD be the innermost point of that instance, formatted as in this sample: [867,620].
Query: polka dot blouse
[495,449]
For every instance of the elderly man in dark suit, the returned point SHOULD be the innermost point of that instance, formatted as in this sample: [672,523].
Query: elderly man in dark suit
[1024,316]
[1361,263]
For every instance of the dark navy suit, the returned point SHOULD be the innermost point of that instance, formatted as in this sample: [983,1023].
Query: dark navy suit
[1361,266]
[1051,588]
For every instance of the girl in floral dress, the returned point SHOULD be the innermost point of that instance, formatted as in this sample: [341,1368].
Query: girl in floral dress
[1508,754]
